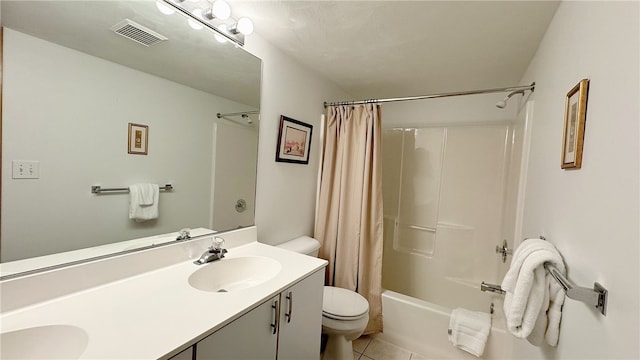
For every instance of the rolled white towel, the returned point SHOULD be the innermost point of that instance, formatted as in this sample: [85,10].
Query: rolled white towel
[533,300]
[469,330]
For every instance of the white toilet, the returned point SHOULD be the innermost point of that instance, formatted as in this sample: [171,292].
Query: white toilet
[345,313]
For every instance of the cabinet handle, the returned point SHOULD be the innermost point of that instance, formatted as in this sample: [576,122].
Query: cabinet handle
[289,307]
[276,316]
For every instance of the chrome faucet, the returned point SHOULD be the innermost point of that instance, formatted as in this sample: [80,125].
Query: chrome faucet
[492,288]
[184,234]
[215,252]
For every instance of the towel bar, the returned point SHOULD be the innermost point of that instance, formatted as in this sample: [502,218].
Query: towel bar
[596,297]
[97,189]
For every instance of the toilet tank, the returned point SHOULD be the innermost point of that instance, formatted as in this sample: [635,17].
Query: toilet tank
[303,245]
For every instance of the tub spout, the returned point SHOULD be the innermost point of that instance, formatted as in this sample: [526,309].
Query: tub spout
[492,288]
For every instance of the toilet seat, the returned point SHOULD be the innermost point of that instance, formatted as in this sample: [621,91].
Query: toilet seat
[343,304]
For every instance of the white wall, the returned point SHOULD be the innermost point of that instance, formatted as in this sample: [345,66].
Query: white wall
[285,194]
[591,214]
[73,119]
[459,110]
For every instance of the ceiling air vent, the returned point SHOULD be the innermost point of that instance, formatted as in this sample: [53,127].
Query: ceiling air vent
[137,33]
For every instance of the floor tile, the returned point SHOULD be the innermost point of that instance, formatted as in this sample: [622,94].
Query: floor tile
[361,343]
[383,350]
[415,356]
[356,356]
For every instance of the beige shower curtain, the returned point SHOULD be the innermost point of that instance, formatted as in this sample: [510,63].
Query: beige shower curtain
[349,216]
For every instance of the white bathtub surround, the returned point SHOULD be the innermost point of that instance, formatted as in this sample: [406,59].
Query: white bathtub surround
[447,191]
[533,299]
[349,213]
[469,330]
[421,327]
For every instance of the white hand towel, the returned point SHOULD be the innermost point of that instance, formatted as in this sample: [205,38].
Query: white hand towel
[469,330]
[533,299]
[143,202]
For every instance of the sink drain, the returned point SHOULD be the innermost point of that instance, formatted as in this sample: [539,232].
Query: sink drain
[222,290]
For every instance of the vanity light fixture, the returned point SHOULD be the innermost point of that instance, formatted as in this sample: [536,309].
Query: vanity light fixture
[194,24]
[164,8]
[221,39]
[214,15]
[243,26]
[218,10]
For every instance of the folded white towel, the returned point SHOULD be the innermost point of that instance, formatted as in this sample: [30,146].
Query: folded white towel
[533,299]
[143,202]
[469,330]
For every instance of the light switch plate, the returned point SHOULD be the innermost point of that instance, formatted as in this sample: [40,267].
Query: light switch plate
[26,169]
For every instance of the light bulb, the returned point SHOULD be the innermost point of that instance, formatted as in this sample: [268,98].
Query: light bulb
[245,26]
[221,10]
[220,38]
[194,24]
[163,8]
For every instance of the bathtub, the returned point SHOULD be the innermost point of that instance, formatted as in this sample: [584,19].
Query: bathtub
[421,327]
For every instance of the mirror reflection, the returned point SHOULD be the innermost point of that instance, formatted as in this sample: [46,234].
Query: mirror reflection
[71,88]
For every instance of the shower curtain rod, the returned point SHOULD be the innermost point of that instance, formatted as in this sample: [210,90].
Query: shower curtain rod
[219,115]
[434,96]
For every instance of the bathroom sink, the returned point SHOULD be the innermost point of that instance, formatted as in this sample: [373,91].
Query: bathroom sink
[233,274]
[44,342]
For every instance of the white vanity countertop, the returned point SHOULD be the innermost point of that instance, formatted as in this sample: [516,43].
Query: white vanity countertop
[156,314]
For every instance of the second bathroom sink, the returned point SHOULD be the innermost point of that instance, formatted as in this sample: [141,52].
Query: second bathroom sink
[44,342]
[233,274]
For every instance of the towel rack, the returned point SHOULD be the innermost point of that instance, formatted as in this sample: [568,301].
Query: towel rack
[596,297]
[97,189]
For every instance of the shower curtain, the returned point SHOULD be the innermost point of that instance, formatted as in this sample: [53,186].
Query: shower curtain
[349,218]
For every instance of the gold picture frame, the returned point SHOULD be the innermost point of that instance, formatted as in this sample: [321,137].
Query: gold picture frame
[138,139]
[575,113]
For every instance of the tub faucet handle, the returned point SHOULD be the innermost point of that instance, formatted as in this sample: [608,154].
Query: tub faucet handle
[503,250]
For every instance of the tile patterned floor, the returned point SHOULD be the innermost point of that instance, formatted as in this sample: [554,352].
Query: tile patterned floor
[372,348]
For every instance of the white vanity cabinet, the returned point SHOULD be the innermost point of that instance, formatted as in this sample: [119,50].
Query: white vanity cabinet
[184,355]
[287,326]
[249,337]
[301,319]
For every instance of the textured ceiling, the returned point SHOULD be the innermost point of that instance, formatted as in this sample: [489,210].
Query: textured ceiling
[371,49]
[374,49]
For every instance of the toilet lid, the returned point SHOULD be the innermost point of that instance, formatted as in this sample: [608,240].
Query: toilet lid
[339,303]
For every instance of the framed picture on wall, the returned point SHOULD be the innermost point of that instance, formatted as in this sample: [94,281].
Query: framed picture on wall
[575,114]
[294,141]
[138,139]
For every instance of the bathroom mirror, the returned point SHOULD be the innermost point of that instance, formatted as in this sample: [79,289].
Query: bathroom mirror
[73,83]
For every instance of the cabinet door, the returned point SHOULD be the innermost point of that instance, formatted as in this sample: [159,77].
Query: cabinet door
[301,319]
[251,336]
[184,355]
